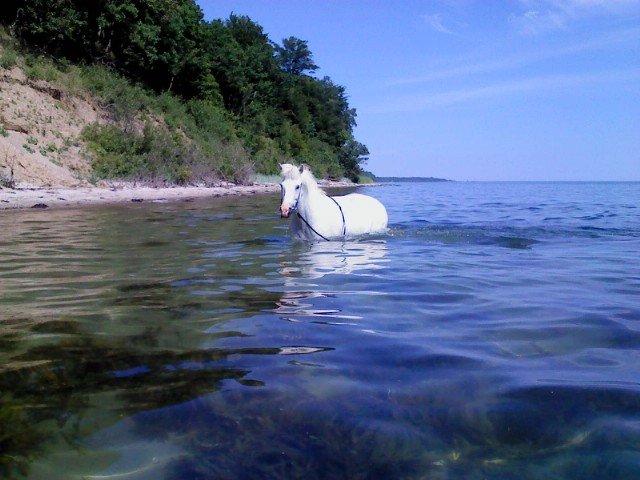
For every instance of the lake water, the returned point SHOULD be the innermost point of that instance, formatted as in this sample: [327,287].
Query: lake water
[493,334]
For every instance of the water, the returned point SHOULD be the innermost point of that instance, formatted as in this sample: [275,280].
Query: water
[493,334]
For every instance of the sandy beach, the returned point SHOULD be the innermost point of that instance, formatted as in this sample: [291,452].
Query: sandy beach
[21,198]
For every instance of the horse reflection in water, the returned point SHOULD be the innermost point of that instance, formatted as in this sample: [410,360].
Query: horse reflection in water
[303,275]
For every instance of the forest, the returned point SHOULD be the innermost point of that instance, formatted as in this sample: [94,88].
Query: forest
[231,91]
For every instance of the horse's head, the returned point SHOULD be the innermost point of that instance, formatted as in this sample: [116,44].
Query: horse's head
[290,188]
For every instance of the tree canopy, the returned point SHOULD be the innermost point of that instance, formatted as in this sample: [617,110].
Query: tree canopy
[279,109]
[295,57]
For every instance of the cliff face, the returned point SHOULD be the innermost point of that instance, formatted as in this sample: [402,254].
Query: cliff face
[40,127]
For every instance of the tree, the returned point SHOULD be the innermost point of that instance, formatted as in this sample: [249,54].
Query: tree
[256,65]
[294,56]
[153,40]
[351,156]
[59,26]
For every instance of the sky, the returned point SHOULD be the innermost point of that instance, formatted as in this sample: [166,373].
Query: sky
[477,90]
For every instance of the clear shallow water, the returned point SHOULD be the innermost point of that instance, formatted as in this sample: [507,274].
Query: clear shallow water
[493,334]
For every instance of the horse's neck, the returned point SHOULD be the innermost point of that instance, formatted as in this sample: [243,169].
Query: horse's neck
[313,200]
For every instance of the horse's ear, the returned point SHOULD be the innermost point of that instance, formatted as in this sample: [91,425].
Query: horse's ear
[304,167]
[301,168]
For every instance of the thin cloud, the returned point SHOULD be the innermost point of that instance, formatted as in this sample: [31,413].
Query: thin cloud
[622,36]
[435,21]
[533,22]
[420,102]
[542,16]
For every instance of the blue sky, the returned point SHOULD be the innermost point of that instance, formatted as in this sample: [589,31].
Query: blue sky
[478,90]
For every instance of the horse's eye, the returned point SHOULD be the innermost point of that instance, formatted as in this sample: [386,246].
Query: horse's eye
[297,187]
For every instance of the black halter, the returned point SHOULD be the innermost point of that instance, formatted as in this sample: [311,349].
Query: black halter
[344,223]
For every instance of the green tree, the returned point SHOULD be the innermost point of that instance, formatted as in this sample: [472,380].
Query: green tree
[154,41]
[352,155]
[295,57]
[61,27]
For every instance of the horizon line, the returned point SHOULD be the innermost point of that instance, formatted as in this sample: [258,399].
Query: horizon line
[506,181]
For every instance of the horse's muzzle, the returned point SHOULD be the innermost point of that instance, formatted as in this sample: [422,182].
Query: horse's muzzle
[284,212]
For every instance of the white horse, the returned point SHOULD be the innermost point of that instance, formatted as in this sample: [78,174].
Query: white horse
[321,217]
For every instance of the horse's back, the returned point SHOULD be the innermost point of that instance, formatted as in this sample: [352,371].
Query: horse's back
[363,214]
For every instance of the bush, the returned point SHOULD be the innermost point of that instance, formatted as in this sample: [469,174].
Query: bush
[268,156]
[8,58]
[40,68]
[163,156]
[117,154]
[211,118]
[124,99]
[365,179]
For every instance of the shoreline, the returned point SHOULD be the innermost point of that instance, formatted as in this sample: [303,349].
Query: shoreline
[59,197]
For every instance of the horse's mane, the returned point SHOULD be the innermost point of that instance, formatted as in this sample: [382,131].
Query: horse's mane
[292,172]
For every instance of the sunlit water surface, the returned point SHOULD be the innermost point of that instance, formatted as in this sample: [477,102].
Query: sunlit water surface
[493,334]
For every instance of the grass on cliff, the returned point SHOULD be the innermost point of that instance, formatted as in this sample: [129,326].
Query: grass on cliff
[161,139]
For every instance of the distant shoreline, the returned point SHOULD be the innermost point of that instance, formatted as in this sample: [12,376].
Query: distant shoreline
[411,179]
[44,198]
